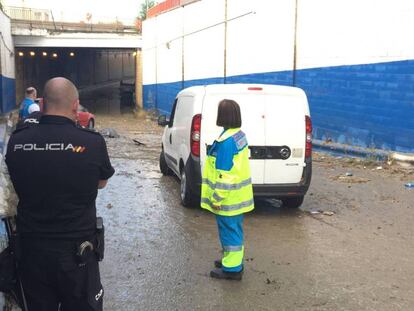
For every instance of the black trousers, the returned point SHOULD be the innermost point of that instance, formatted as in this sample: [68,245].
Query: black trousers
[52,277]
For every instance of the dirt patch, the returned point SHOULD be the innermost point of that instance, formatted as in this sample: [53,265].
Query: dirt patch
[139,136]
[382,168]
[350,179]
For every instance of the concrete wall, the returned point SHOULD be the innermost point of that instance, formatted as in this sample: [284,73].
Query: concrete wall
[7,74]
[354,59]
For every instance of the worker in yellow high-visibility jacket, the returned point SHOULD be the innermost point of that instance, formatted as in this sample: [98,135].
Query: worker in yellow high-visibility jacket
[227,189]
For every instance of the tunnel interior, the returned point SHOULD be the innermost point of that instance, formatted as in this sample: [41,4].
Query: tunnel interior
[105,77]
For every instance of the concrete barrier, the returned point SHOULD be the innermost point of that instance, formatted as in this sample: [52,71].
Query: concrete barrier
[8,198]
[403,159]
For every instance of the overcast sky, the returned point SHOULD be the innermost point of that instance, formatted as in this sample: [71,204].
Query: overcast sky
[76,10]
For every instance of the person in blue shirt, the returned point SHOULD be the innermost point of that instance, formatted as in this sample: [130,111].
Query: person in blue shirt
[28,104]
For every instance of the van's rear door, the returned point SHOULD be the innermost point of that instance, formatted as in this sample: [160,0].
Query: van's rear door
[284,129]
[252,107]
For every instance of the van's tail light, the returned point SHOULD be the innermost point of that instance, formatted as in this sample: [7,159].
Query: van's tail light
[308,151]
[195,135]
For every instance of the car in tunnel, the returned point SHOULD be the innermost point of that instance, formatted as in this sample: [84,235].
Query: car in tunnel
[84,118]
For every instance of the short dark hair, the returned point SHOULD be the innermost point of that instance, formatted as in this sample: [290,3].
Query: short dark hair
[30,91]
[228,114]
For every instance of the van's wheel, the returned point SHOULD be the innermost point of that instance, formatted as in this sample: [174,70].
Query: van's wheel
[91,124]
[188,199]
[165,170]
[294,202]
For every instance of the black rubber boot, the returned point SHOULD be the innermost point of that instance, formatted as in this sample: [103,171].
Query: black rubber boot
[217,263]
[220,274]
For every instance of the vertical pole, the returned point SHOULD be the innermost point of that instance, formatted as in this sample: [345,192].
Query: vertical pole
[182,53]
[138,80]
[225,42]
[156,71]
[108,55]
[295,51]
[94,55]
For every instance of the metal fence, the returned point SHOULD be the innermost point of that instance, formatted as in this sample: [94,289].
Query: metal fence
[28,14]
[32,18]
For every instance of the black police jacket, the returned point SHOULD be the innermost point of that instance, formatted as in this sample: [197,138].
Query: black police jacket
[55,168]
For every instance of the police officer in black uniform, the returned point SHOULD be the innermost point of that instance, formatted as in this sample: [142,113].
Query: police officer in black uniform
[31,119]
[56,169]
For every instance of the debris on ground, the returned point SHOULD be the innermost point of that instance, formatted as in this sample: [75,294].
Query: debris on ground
[379,167]
[269,281]
[314,212]
[348,174]
[273,282]
[409,185]
[109,132]
[109,206]
[350,179]
[138,143]
[125,173]
[157,204]
[318,212]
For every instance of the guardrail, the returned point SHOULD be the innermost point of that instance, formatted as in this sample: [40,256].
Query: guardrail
[31,18]
[41,15]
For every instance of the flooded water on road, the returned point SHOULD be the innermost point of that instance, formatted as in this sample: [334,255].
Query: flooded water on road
[159,254]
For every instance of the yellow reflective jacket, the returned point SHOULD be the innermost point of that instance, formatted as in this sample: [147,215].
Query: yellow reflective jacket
[226,176]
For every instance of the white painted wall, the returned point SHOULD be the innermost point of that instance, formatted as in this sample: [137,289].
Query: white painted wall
[42,38]
[204,50]
[261,36]
[337,32]
[169,46]
[149,43]
[261,41]
[202,24]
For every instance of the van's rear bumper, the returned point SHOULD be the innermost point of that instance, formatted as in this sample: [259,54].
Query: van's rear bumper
[286,190]
[193,170]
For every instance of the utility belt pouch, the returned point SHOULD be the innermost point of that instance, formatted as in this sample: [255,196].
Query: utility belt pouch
[15,246]
[100,239]
[84,252]
[14,238]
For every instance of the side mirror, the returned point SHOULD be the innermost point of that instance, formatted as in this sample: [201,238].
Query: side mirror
[163,120]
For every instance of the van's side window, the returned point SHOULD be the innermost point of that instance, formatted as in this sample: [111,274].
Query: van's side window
[174,108]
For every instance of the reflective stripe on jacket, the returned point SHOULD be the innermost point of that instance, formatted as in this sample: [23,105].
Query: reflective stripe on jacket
[226,176]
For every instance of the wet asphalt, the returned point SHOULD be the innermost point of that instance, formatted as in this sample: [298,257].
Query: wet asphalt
[349,247]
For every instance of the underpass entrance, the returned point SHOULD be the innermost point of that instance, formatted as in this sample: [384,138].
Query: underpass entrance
[105,77]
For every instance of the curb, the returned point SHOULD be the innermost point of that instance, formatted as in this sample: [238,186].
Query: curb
[405,159]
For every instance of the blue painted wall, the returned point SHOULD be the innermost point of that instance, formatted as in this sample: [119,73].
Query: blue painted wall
[7,94]
[369,105]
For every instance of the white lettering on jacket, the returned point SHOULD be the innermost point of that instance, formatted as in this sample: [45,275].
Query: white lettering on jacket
[44,147]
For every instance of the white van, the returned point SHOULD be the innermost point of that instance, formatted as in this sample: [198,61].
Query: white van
[278,127]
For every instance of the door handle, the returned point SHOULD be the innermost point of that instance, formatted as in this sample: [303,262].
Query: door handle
[170,138]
